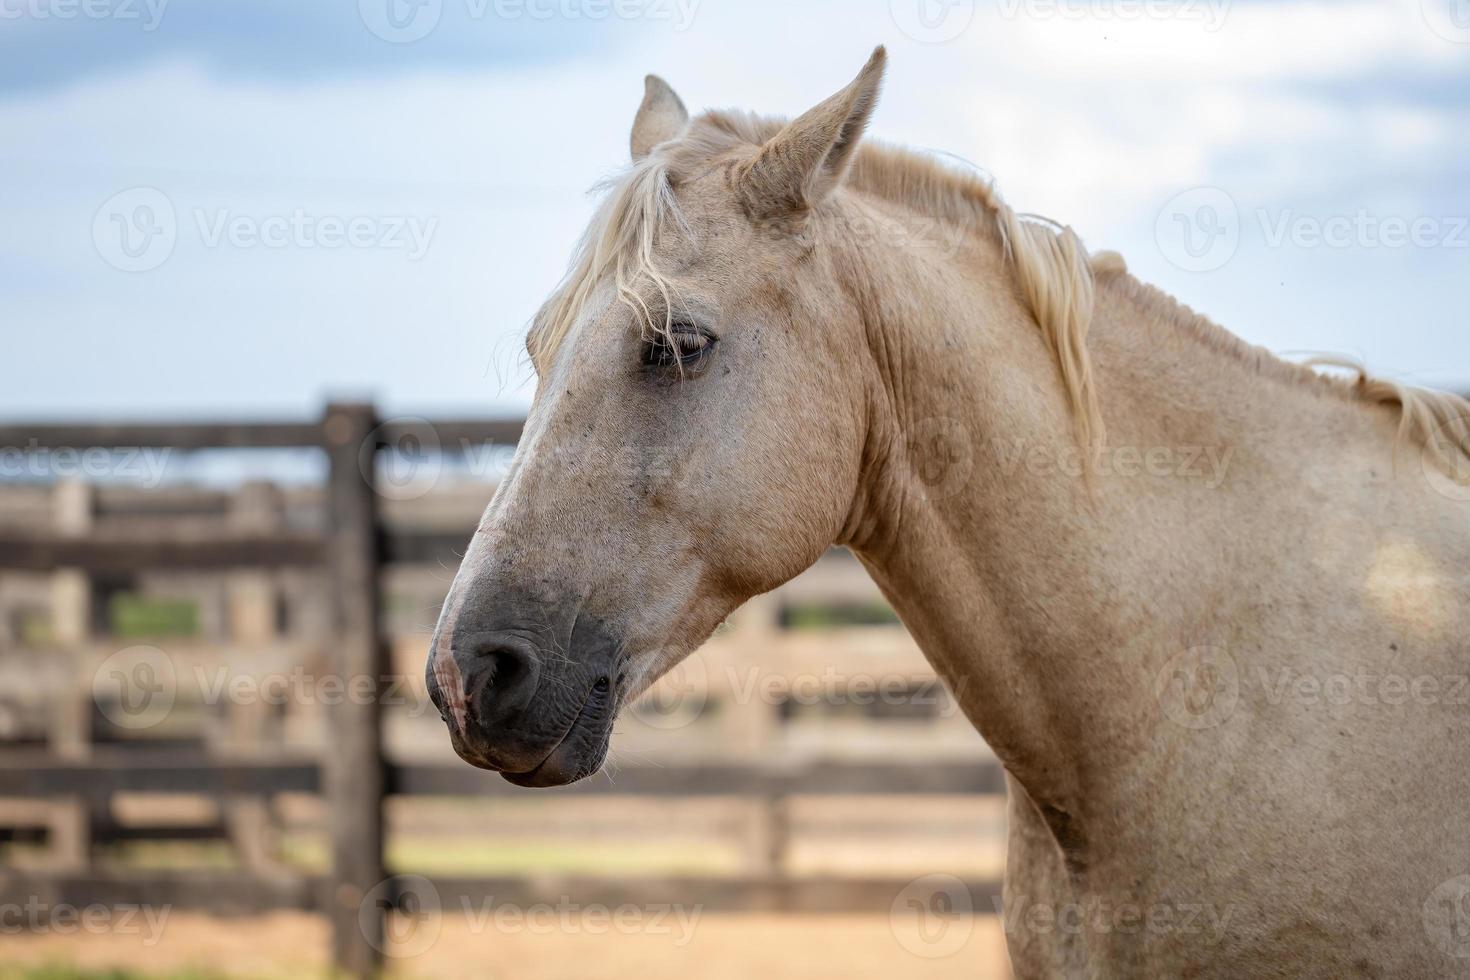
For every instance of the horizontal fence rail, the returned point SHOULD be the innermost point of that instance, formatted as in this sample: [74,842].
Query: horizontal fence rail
[123,552]
[103,775]
[447,434]
[43,552]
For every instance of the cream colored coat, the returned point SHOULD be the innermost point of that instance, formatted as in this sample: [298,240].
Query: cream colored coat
[1210,609]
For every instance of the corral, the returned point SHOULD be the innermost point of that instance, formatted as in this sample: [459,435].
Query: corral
[253,739]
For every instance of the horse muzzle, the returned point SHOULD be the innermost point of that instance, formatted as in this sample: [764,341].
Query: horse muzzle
[519,703]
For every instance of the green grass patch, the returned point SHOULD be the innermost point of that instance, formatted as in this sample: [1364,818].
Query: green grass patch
[836,615]
[169,855]
[474,855]
[136,617]
[429,855]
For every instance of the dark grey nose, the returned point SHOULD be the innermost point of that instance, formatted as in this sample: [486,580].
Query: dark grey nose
[485,696]
[526,688]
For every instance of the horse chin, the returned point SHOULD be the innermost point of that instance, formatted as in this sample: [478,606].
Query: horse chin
[579,755]
[569,762]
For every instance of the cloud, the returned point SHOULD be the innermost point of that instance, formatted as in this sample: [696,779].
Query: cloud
[47,43]
[494,129]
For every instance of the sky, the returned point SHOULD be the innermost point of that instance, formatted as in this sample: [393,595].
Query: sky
[242,208]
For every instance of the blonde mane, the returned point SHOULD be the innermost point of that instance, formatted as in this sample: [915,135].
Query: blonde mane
[1056,276]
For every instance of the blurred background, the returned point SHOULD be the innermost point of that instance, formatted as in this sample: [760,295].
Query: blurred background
[265,273]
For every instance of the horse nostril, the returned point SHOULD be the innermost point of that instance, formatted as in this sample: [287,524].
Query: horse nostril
[507,674]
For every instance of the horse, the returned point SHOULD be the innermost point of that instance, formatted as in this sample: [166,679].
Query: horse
[1207,606]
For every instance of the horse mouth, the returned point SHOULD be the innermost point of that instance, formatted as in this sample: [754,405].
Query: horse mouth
[576,755]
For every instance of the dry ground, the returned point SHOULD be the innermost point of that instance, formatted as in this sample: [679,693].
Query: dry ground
[718,947]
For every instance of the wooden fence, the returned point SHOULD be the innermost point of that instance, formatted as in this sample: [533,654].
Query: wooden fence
[352,774]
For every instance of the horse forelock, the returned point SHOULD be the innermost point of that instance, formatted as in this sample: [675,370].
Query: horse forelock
[1051,265]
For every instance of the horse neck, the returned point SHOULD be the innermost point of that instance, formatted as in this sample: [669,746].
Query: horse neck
[1049,592]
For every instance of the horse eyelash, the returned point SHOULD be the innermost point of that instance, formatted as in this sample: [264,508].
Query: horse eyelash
[664,349]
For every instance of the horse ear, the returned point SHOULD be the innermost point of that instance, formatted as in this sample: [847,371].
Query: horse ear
[660,117]
[808,158]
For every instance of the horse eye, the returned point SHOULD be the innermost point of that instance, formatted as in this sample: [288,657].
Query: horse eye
[684,346]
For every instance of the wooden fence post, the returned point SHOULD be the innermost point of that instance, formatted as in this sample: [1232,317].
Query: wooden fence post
[353,761]
[69,830]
